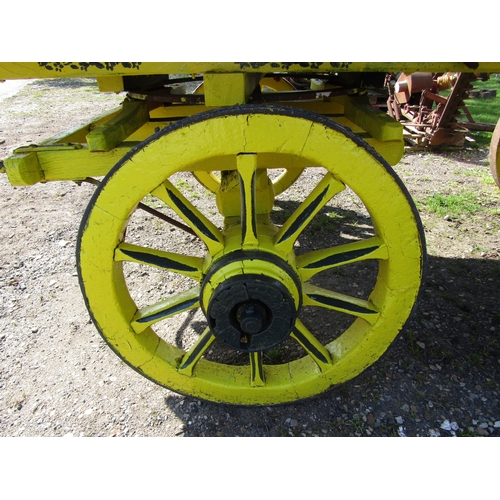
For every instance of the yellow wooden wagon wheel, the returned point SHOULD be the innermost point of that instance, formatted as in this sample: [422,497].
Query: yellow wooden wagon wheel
[495,154]
[280,183]
[285,178]
[257,287]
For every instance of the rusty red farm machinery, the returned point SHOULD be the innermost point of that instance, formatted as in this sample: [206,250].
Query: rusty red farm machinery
[432,108]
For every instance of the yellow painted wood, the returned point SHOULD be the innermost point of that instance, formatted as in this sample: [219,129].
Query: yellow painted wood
[13,70]
[246,165]
[314,202]
[280,183]
[189,360]
[228,89]
[24,169]
[379,125]
[228,190]
[61,165]
[389,144]
[180,263]
[110,83]
[275,84]
[177,111]
[257,376]
[201,225]
[250,266]
[108,135]
[63,156]
[332,107]
[310,290]
[311,345]
[251,131]
[51,148]
[391,151]
[107,131]
[140,320]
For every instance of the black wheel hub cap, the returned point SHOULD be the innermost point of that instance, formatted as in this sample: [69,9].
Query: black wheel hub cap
[251,312]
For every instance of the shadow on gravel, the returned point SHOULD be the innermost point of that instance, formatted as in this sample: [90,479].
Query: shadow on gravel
[439,378]
[64,83]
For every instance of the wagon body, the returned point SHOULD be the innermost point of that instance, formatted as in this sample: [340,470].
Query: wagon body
[232,125]
[69,156]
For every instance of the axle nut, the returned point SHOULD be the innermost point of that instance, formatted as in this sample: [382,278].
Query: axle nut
[251,317]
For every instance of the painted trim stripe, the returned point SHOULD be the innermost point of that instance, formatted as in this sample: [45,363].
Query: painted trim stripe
[256,369]
[192,217]
[302,218]
[341,257]
[244,227]
[169,311]
[198,349]
[340,304]
[309,347]
[156,260]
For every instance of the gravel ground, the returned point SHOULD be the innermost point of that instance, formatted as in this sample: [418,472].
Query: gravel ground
[58,378]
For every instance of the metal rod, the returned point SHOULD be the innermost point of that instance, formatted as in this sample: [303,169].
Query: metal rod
[151,211]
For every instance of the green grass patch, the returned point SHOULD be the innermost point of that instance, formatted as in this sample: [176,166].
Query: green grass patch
[483,175]
[455,205]
[485,110]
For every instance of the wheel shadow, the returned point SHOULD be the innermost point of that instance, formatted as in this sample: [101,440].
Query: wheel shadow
[64,83]
[445,365]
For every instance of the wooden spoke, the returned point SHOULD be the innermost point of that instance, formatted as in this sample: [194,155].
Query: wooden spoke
[312,263]
[247,168]
[298,221]
[200,224]
[316,296]
[166,308]
[194,354]
[311,345]
[178,263]
[256,369]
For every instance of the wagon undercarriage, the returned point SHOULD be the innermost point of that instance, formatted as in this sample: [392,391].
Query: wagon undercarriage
[255,272]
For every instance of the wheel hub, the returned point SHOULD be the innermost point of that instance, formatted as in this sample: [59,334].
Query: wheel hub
[251,317]
[250,311]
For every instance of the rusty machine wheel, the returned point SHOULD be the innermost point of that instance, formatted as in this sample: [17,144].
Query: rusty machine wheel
[268,327]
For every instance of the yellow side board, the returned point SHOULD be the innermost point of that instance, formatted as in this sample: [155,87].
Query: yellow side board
[12,70]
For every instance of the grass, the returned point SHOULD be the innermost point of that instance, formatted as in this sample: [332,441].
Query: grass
[485,110]
[454,205]
[483,175]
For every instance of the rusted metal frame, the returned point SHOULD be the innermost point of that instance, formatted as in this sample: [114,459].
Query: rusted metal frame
[456,98]
[161,86]
[466,111]
[164,96]
[394,109]
[426,94]
[259,97]
[447,131]
[438,126]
